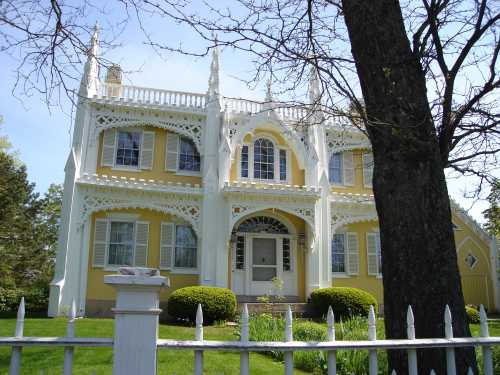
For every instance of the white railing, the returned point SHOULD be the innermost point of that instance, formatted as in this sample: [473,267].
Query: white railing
[145,95]
[250,107]
[133,335]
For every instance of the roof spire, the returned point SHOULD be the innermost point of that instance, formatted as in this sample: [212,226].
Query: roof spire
[213,81]
[90,78]
[314,89]
[269,90]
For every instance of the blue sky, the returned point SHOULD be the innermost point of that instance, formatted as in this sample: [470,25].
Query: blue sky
[42,136]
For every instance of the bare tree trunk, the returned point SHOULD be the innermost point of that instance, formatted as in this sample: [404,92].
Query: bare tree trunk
[418,250]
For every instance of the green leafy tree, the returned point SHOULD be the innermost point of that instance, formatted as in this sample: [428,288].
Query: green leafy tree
[492,214]
[28,228]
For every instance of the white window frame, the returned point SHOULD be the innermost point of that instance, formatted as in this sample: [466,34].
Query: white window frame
[276,164]
[339,274]
[181,172]
[378,251]
[120,167]
[114,267]
[185,270]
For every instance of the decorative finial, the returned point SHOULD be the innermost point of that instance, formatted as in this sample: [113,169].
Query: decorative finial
[314,89]
[213,81]
[269,91]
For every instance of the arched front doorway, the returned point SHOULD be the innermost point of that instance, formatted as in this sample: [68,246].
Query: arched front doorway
[264,249]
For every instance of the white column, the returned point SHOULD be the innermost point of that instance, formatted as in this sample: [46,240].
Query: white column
[136,322]
[494,272]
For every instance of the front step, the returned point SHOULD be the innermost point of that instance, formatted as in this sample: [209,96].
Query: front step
[304,310]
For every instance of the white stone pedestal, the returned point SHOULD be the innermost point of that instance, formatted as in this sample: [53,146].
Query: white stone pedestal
[136,322]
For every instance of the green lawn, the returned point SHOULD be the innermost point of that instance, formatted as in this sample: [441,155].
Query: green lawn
[49,361]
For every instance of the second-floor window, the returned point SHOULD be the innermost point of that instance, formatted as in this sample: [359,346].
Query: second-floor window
[121,244]
[335,168]
[189,158]
[264,160]
[128,148]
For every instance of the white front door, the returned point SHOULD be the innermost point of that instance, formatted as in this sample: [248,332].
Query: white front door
[258,259]
[264,265]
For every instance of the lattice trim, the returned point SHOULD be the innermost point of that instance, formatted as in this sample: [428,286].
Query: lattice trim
[186,209]
[239,210]
[185,124]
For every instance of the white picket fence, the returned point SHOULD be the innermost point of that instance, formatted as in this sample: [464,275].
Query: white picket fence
[136,327]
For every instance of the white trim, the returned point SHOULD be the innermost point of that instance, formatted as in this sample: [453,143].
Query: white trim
[119,216]
[340,275]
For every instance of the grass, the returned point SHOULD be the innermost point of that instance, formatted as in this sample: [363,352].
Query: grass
[49,361]
[88,360]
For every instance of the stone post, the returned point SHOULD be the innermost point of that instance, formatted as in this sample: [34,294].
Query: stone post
[136,319]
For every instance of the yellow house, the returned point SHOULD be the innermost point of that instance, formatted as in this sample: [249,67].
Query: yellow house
[224,192]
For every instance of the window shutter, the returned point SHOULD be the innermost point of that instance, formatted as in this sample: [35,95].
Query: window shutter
[371,250]
[348,164]
[367,169]
[147,149]
[108,148]
[100,242]
[141,243]
[166,245]
[171,154]
[352,254]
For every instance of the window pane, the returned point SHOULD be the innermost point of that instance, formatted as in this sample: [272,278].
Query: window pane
[240,253]
[283,165]
[286,255]
[335,168]
[263,163]
[127,151]
[121,244]
[263,274]
[338,253]
[244,161]
[185,247]
[189,158]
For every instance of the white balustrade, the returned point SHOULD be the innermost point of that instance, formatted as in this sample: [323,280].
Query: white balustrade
[151,96]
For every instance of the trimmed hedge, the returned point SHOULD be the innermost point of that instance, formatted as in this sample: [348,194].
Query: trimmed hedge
[217,303]
[36,299]
[472,315]
[345,302]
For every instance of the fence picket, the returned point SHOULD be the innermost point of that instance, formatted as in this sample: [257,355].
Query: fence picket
[393,372]
[244,356]
[485,332]
[198,354]
[432,372]
[470,372]
[332,354]
[288,338]
[70,332]
[410,333]
[450,352]
[15,358]
[372,336]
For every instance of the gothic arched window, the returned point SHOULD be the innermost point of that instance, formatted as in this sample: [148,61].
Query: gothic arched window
[263,159]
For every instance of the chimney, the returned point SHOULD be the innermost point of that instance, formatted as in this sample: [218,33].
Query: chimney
[114,74]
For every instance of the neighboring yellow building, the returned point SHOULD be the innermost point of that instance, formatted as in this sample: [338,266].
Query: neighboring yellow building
[224,192]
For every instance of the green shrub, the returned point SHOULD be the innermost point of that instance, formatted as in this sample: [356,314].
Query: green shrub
[217,303]
[345,302]
[36,299]
[472,315]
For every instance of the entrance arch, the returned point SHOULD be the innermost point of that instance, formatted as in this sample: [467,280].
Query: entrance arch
[264,256]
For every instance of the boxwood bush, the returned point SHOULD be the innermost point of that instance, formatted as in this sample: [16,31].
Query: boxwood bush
[345,302]
[35,298]
[217,303]
[472,314]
